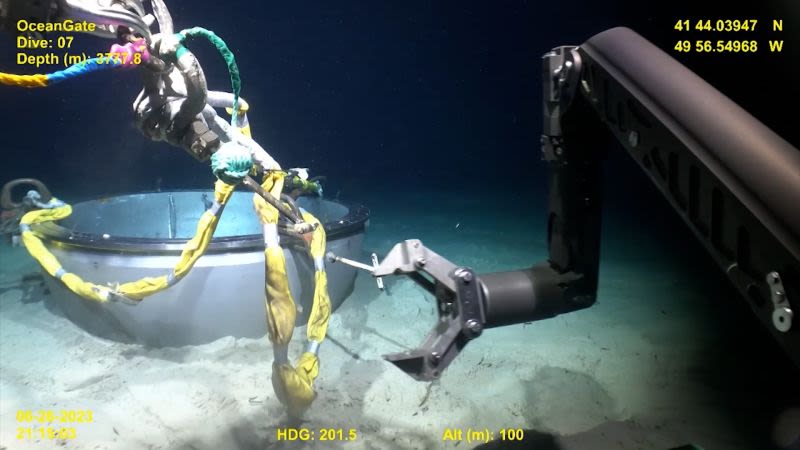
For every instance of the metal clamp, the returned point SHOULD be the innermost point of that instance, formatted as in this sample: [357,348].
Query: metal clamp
[459,297]
[782,313]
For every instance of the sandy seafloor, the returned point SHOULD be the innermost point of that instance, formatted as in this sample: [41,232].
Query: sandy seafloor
[659,362]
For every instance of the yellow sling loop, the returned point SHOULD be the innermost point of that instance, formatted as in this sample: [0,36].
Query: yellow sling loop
[293,385]
[135,290]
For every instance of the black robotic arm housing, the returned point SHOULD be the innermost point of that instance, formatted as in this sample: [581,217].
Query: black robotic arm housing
[735,183]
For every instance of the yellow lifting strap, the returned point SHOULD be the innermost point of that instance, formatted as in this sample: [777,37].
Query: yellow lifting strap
[49,262]
[281,311]
[192,250]
[321,308]
[293,385]
[135,290]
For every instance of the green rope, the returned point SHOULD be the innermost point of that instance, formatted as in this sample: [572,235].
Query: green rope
[231,163]
[233,69]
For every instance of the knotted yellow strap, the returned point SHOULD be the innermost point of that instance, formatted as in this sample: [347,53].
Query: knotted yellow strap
[293,385]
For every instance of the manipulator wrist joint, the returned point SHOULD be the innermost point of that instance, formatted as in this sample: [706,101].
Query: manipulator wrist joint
[200,141]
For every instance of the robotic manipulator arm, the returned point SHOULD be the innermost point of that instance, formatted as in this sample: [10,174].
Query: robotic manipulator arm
[735,183]
[175,105]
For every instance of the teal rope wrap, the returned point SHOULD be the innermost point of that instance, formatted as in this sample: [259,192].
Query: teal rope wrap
[180,51]
[231,163]
[233,69]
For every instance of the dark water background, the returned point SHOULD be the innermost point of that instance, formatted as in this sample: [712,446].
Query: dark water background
[396,100]
[434,95]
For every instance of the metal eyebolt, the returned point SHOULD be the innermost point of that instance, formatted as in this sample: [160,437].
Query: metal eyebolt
[5,196]
[473,327]
[782,314]
[304,227]
[464,275]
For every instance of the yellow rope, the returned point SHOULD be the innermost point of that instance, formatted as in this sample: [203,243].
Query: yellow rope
[29,81]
